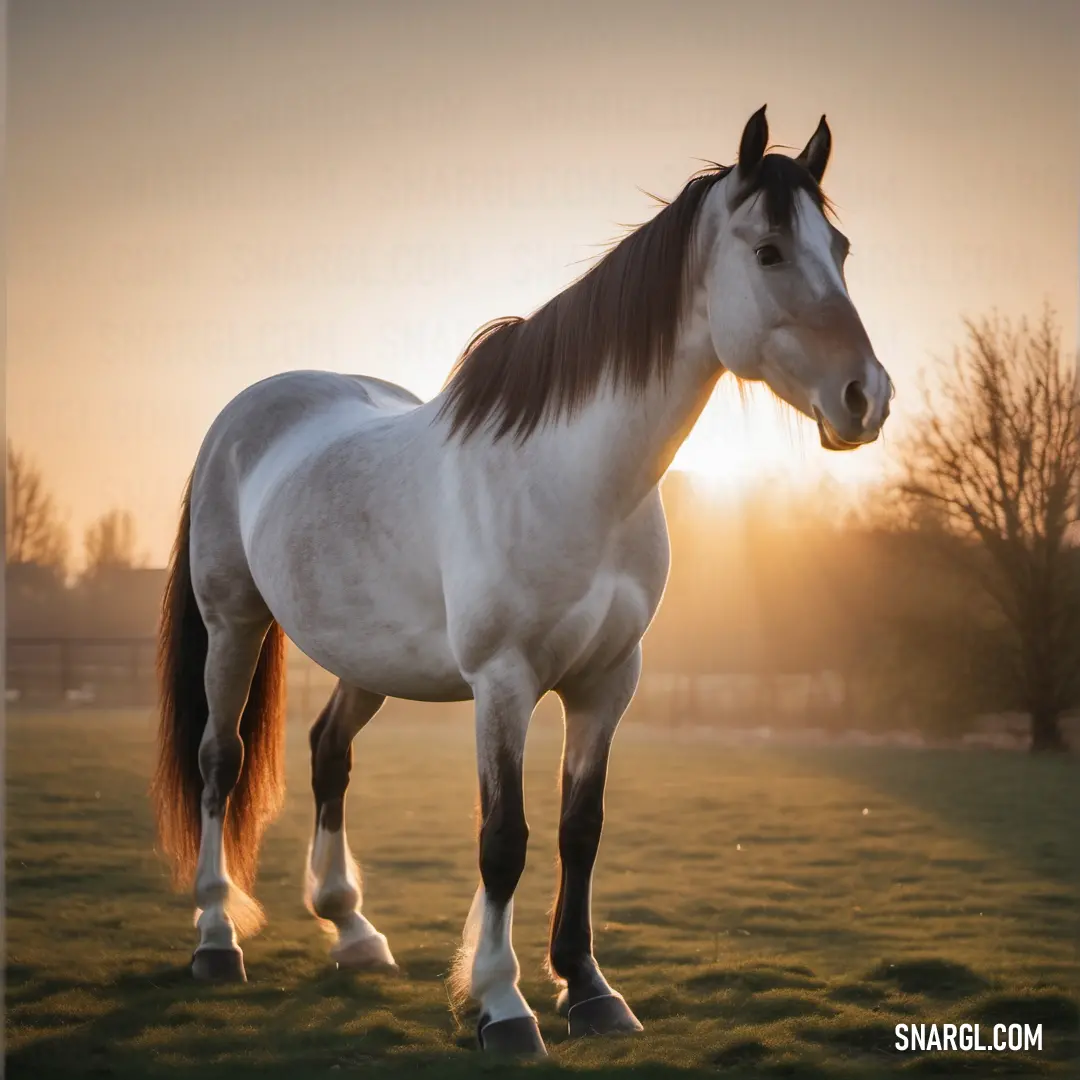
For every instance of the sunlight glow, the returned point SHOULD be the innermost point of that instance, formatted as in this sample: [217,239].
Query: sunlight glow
[737,444]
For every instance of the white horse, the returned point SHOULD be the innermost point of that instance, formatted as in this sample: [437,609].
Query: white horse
[501,540]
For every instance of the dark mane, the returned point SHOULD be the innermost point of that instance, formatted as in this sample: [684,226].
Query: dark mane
[619,318]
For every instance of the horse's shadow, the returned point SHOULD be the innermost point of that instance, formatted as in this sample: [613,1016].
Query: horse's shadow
[160,1022]
[302,1028]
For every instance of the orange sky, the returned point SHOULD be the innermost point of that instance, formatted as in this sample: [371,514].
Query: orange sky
[202,194]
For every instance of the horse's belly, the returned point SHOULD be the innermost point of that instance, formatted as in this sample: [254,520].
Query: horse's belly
[392,661]
[372,619]
[420,682]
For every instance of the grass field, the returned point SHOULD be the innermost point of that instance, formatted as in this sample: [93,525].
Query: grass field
[767,913]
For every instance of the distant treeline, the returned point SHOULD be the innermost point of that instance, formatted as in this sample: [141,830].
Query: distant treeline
[117,602]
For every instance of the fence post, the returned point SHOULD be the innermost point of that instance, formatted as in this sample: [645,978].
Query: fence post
[65,667]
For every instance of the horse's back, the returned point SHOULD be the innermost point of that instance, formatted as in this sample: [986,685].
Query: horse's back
[262,415]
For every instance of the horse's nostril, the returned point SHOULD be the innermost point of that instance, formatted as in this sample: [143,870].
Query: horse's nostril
[855,400]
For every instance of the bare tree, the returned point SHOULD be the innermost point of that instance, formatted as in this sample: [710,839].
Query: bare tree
[33,531]
[110,544]
[995,459]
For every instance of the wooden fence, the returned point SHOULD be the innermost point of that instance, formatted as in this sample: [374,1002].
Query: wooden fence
[46,672]
[120,672]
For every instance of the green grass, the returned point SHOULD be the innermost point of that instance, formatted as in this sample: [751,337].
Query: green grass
[757,919]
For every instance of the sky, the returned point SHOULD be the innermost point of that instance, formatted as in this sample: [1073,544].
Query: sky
[201,194]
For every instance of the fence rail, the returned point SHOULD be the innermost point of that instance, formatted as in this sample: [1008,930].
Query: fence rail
[120,671]
[116,671]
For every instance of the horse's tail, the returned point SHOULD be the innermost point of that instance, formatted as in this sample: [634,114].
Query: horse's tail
[177,785]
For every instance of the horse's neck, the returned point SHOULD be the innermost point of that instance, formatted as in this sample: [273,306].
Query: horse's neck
[617,447]
[636,433]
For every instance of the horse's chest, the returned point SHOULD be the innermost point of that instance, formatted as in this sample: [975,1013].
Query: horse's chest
[599,630]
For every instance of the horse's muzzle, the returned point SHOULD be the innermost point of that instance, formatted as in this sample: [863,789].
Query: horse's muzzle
[831,439]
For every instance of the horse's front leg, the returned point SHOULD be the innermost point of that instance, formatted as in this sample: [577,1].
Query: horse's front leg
[486,968]
[334,892]
[593,706]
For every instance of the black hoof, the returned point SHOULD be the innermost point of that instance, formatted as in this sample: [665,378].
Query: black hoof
[606,1015]
[219,965]
[519,1035]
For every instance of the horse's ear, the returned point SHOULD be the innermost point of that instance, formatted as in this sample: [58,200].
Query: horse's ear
[816,154]
[755,138]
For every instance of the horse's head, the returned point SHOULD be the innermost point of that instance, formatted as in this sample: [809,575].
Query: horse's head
[779,310]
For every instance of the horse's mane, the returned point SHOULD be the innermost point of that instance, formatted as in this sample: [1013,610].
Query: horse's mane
[620,317]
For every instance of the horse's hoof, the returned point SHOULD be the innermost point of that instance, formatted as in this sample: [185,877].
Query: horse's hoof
[219,965]
[369,954]
[519,1035]
[562,1002]
[605,1015]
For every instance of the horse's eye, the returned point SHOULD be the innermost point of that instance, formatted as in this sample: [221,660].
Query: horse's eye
[769,255]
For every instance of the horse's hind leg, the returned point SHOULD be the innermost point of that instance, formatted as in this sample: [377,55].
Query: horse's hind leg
[333,878]
[593,708]
[224,909]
